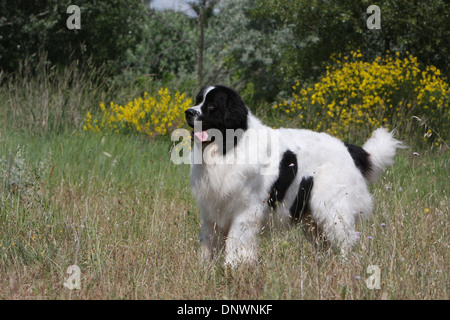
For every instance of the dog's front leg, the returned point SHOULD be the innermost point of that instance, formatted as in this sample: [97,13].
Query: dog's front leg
[242,243]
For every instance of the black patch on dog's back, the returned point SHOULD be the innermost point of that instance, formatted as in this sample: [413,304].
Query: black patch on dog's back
[300,204]
[361,158]
[287,172]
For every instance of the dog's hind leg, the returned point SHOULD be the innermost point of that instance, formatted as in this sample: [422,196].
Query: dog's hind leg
[313,232]
[336,202]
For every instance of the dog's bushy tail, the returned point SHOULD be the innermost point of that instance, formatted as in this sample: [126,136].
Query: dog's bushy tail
[381,147]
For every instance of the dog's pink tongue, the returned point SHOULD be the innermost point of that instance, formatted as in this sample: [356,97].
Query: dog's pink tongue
[203,136]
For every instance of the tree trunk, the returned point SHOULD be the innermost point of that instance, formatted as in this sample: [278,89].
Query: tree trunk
[201,42]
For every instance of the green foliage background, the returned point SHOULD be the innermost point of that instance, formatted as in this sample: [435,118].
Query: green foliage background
[261,48]
[29,28]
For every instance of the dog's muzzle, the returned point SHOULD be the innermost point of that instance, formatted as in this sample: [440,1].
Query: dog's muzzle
[190,115]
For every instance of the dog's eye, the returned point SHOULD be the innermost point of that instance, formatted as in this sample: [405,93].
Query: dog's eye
[211,107]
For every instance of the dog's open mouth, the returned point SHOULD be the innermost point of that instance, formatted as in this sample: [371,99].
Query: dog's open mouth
[200,135]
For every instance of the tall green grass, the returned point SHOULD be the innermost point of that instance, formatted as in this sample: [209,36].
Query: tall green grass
[80,199]
[120,210]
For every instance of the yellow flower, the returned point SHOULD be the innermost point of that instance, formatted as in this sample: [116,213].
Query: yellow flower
[355,94]
[151,114]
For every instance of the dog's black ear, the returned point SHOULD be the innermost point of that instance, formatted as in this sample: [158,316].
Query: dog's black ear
[236,113]
[199,97]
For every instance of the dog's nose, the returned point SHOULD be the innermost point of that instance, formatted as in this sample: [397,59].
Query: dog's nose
[190,112]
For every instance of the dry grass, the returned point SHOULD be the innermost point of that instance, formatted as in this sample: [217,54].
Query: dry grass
[131,225]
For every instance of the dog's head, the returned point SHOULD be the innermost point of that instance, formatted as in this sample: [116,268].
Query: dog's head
[217,109]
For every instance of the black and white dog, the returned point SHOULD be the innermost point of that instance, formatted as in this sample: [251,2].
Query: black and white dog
[249,176]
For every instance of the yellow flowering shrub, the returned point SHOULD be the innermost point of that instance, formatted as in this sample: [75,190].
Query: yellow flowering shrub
[152,115]
[356,95]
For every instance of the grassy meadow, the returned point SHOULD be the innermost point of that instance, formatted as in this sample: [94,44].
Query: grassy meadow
[117,207]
